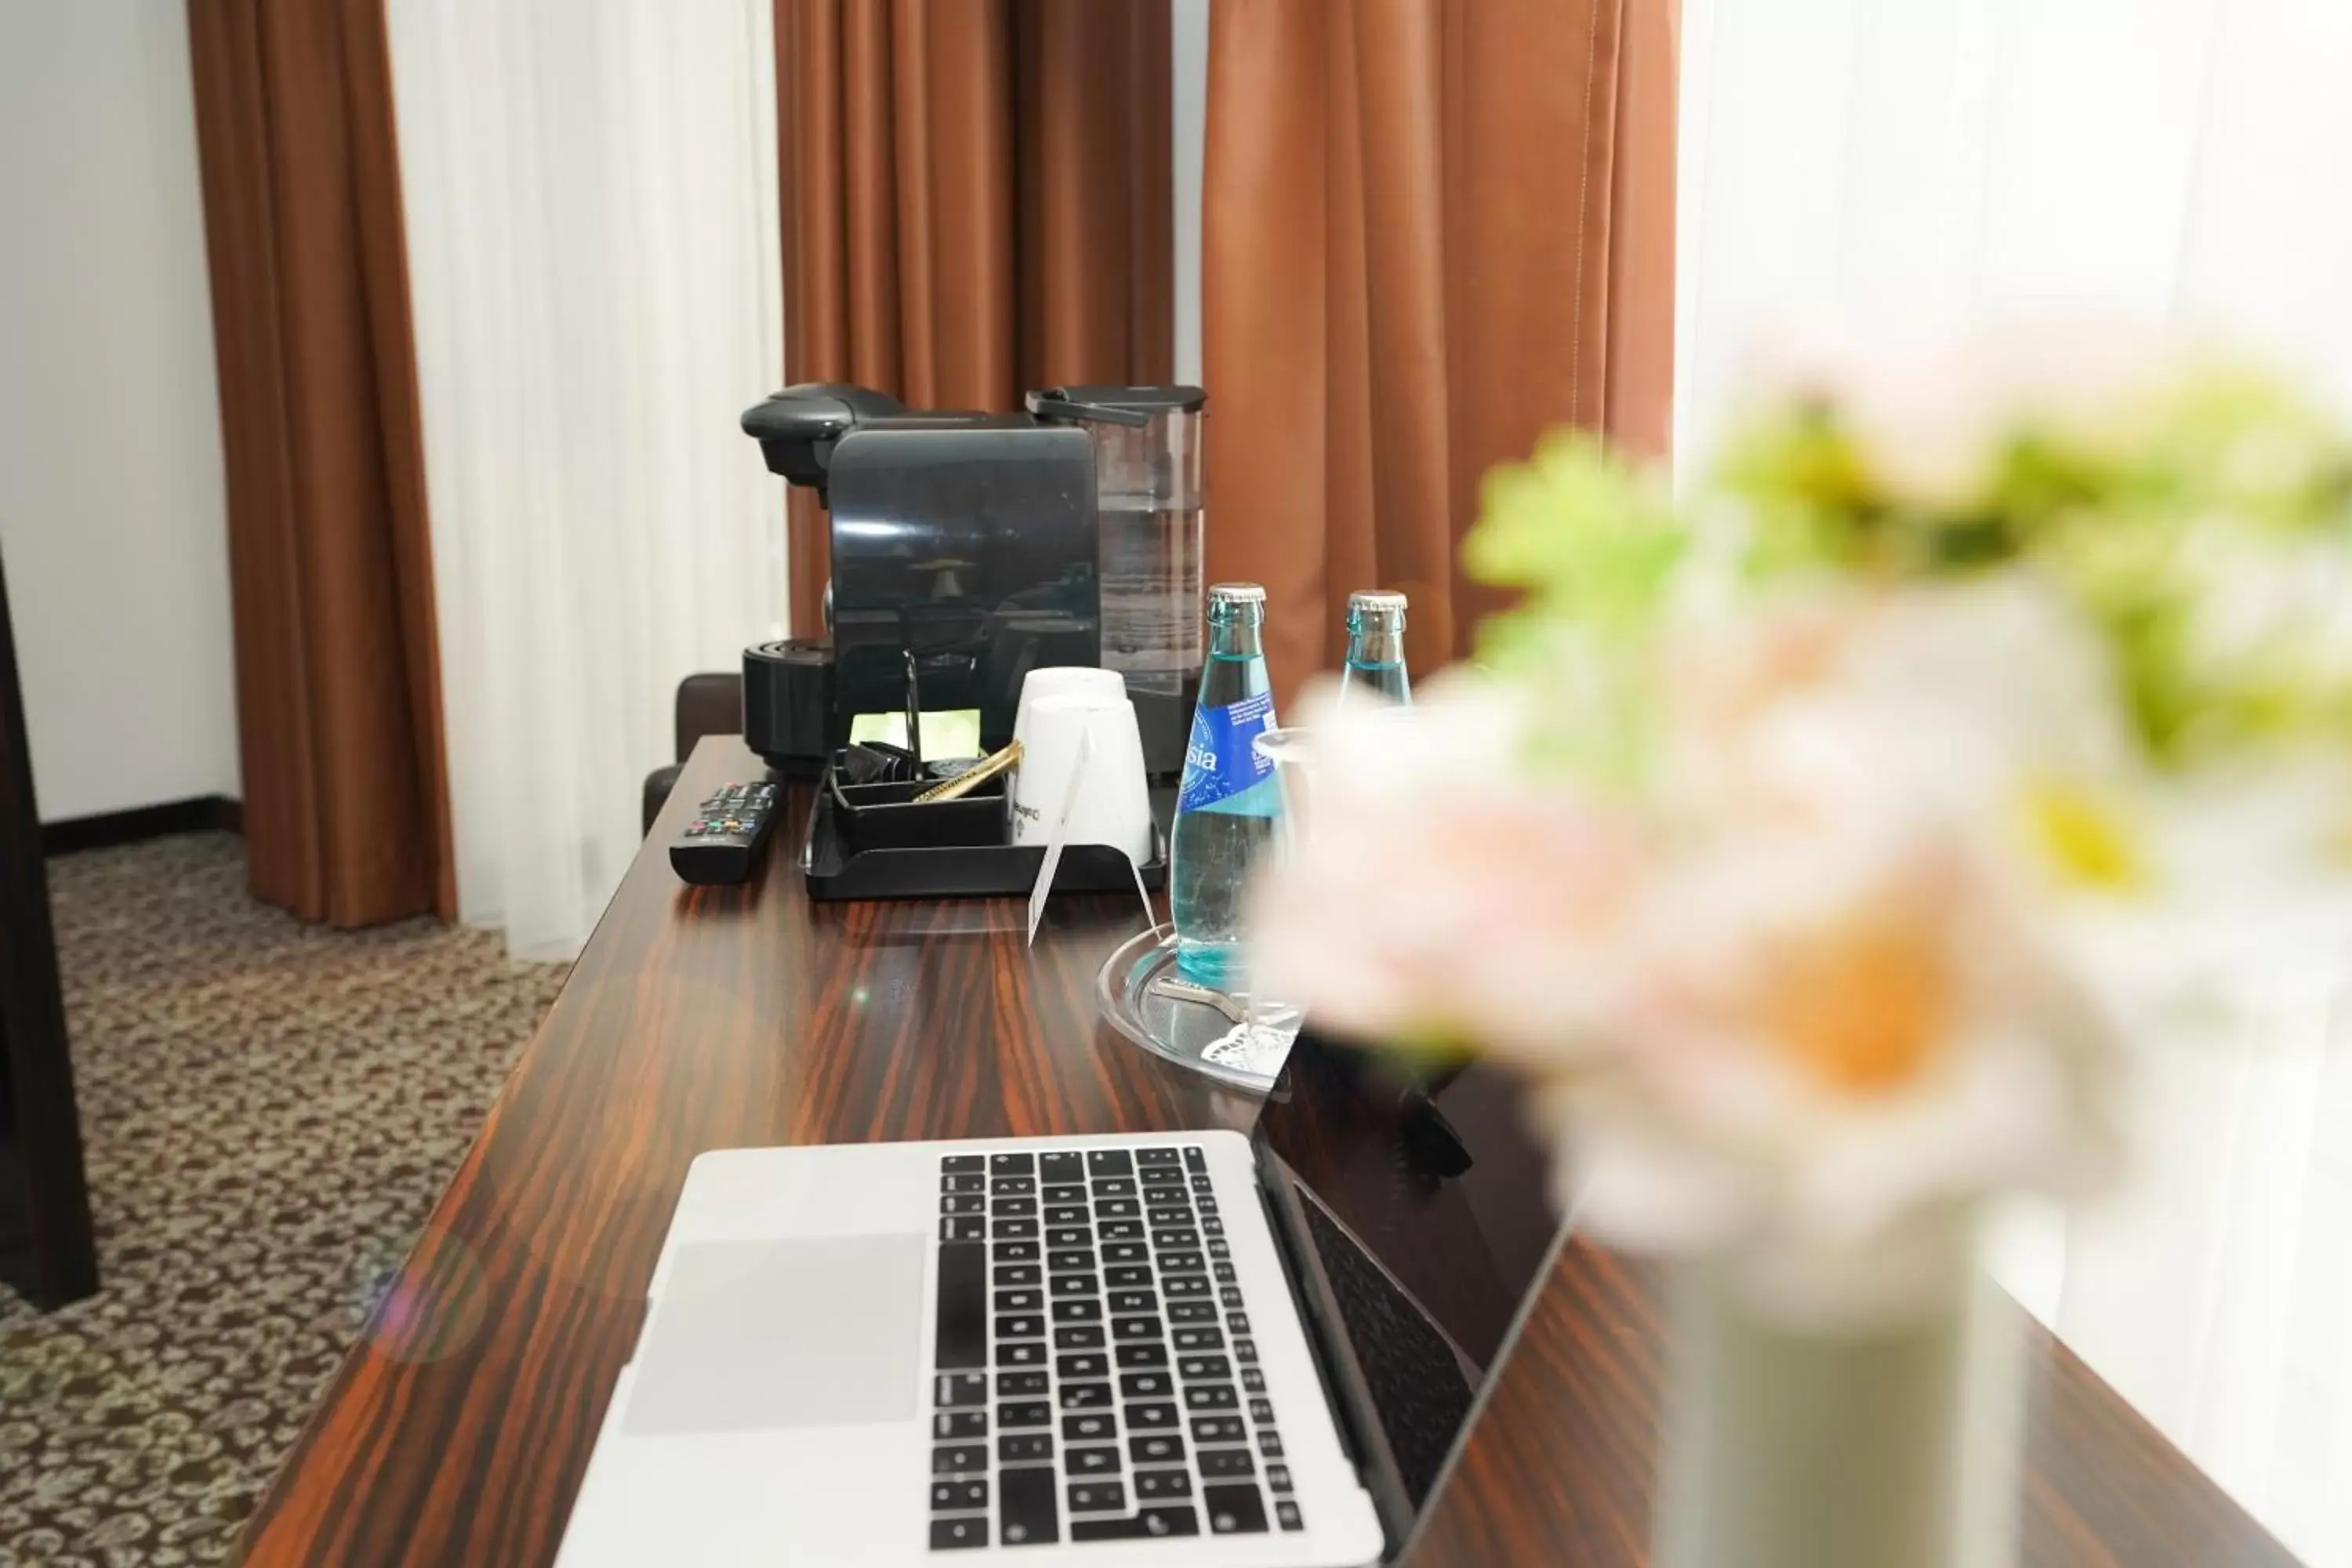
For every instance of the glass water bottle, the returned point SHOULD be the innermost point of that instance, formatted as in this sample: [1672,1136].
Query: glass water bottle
[1228,805]
[1375,668]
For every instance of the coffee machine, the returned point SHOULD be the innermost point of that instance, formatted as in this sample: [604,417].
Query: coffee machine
[969,549]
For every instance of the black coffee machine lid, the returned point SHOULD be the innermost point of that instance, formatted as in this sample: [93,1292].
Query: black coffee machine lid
[1083,402]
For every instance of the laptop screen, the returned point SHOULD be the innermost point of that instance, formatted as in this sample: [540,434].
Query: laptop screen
[1415,1203]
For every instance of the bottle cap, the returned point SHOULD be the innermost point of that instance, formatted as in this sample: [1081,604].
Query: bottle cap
[1375,599]
[1238,593]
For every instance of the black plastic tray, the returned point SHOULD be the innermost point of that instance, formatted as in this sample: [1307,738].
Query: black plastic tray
[871,841]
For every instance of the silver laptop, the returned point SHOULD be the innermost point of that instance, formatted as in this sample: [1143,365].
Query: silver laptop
[1180,1348]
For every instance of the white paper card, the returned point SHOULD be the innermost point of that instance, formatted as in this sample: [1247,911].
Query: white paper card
[1055,839]
[1253,1047]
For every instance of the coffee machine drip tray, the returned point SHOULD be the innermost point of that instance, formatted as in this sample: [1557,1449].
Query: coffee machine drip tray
[873,841]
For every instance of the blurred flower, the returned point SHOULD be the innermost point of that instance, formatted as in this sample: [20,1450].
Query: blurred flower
[1785,839]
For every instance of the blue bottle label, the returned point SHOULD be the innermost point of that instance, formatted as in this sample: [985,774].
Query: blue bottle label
[1221,761]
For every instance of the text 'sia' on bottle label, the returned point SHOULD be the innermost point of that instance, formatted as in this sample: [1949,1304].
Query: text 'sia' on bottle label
[1221,760]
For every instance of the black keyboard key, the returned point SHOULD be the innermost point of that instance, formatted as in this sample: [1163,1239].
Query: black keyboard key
[1012,1209]
[1020,1274]
[1204,1202]
[1013,1186]
[1157,1219]
[1030,1412]
[1219,1429]
[1096,1497]
[960,1460]
[1200,1339]
[963,1183]
[1020,1326]
[1109,1162]
[1230,1296]
[1134,1301]
[1027,1301]
[1118,1208]
[961,1164]
[1261,1411]
[1012,1164]
[1146,1158]
[1028,1353]
[1021,1385]
[1253,1379]
[962,1227]
[1076,1285]
[1158,1486]
[1269,1443]
[1086,1311]
[952,1534]
[1157,1524]
[1024,1448]
[1225,1274]
[1117,1187]
[954,1204]
[1090,1427]
[1226,1464]
[1234,1509]
[1085,1395]
[1015,1251]
[1133,1358]
[962,1336]
[1121,1230]
[1126,1252]
[1278,1477]
[1151,1418]
[1184,1285]
[1174,1262]
[1136,1328]
[1127,1277]
[1156,1448]
[1075,1367]
[1193,1159]
[1012,1229]
[1288,1512]
[957,1426]
[1214,1230]
[1026,1514]
[1191,1312]
[1146,1385]
[1069,1195]
[1078,1337]
[961,1388]
[1237,1323]
[1070,1259]
[1069,1236]
[1214,1366]
[1212,1396]
[1090,1462]
[1060,1214]
[1067,1166]
[950,1496]
[1154,1171]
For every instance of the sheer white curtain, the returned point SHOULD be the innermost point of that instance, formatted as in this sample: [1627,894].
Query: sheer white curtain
[594,257]
[2186,158]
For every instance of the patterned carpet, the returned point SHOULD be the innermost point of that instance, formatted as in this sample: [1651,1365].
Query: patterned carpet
[270,1109]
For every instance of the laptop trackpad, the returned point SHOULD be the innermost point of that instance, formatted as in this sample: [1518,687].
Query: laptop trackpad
[825,1332]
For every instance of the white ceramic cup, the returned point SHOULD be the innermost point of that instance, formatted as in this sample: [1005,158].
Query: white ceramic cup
[1102,688]
[1109,801]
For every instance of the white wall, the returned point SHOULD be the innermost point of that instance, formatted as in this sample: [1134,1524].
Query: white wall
[112,520]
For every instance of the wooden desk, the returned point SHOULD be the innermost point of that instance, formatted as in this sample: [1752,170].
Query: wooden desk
[458,1430]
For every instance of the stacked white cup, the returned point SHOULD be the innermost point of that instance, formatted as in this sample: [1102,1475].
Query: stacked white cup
[1109,801]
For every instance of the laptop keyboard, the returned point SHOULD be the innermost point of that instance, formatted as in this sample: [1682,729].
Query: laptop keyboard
[1096,1379]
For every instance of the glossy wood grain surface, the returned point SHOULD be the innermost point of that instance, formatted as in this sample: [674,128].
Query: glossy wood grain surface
[459,1427]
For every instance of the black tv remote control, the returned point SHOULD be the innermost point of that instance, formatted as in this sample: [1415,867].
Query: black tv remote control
[722,843]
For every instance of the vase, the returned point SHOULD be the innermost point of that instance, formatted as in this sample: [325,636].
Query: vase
[1796,1441]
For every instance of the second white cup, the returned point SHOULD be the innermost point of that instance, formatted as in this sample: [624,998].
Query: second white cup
[1109,801]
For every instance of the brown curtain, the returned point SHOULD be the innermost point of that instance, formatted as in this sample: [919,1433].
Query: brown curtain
[976,201]
[338,703]
[1431,229]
